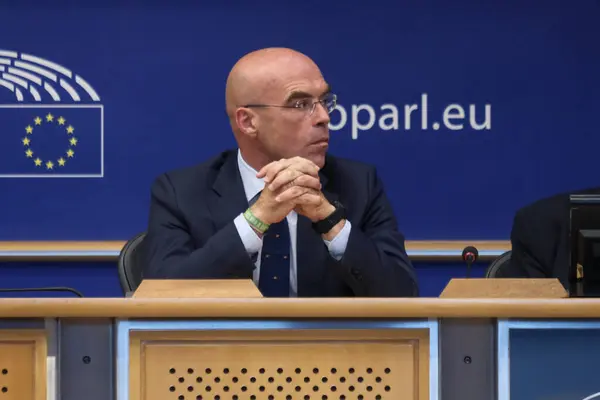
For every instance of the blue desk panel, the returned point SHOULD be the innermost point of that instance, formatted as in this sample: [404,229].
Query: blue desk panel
[549,360]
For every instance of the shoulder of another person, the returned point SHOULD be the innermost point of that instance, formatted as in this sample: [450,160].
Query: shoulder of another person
[554,208]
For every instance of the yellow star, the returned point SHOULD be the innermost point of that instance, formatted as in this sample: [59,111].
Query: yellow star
[29,153]
[38,121]
[50,165]
[49,117]
[61,162]
[26,141]
[37,162]
[70,129]
[61,121]
[73,141]
[29,129]
[70,153]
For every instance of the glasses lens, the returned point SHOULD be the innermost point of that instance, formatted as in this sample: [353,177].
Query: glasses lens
[330,102]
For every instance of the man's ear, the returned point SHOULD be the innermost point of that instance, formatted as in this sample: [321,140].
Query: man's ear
[247,121]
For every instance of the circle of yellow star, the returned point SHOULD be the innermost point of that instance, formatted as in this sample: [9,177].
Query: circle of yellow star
[49,118]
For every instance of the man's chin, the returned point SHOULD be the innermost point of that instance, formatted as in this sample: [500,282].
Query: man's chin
[317,157]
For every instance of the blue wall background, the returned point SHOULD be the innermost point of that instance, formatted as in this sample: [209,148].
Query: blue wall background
[159,69]
[101,279]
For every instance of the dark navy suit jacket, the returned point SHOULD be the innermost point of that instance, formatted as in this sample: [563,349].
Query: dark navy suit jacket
[191,233]
[540,239]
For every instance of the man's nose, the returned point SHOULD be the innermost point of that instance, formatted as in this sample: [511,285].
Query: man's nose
[320,114]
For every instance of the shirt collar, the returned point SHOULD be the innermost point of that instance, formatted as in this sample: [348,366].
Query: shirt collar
[252,184]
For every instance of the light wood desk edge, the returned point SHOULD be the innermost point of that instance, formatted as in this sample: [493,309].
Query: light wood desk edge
[300,308]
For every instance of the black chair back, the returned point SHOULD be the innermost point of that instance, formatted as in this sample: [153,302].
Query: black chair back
[130,264]
[496,266]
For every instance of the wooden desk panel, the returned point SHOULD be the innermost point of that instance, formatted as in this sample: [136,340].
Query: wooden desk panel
[23,364]
[275,365]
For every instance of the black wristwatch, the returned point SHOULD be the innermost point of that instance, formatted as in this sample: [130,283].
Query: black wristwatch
[325,225]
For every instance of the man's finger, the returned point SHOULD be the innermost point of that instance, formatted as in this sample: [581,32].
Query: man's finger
[305,165]
[291,177]
[291,193]
[299,167]
[270,170]
[307,181]
[308,198]
[283,178]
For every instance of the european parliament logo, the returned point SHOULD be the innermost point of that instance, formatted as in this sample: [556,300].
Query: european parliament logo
[53,125]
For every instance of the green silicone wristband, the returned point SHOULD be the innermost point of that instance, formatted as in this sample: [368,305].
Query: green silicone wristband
[255,222]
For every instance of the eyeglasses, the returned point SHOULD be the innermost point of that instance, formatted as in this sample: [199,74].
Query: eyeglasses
[328,101]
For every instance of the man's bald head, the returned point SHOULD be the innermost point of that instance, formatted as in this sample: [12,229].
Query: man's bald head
[252,77]
[270,99]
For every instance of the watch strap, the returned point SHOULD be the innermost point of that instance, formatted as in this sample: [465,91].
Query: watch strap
[325,225]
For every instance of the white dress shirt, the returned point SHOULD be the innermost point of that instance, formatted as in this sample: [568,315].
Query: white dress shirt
[253,243]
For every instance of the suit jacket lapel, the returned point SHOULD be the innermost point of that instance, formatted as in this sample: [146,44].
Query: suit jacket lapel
[227,199]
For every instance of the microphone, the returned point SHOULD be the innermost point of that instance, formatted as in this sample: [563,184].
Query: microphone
[43,289]
[469,255]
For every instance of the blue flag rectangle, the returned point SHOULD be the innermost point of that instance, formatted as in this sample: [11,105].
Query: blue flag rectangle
[51,141]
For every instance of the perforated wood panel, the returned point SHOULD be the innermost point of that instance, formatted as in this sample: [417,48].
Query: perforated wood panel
[22,365]
[322,365]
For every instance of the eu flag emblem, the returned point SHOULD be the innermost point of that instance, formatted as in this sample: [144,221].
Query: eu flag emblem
[51,141]
[50,132]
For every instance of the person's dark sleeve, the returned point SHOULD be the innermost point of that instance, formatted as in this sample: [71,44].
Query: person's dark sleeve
[170,251]
[532,243]
[375,263]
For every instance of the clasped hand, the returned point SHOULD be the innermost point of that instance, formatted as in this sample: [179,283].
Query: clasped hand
[291,184]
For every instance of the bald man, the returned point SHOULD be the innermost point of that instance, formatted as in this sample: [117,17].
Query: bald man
[279,209]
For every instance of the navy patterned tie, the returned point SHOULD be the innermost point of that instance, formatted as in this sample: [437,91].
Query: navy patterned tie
[274,276]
